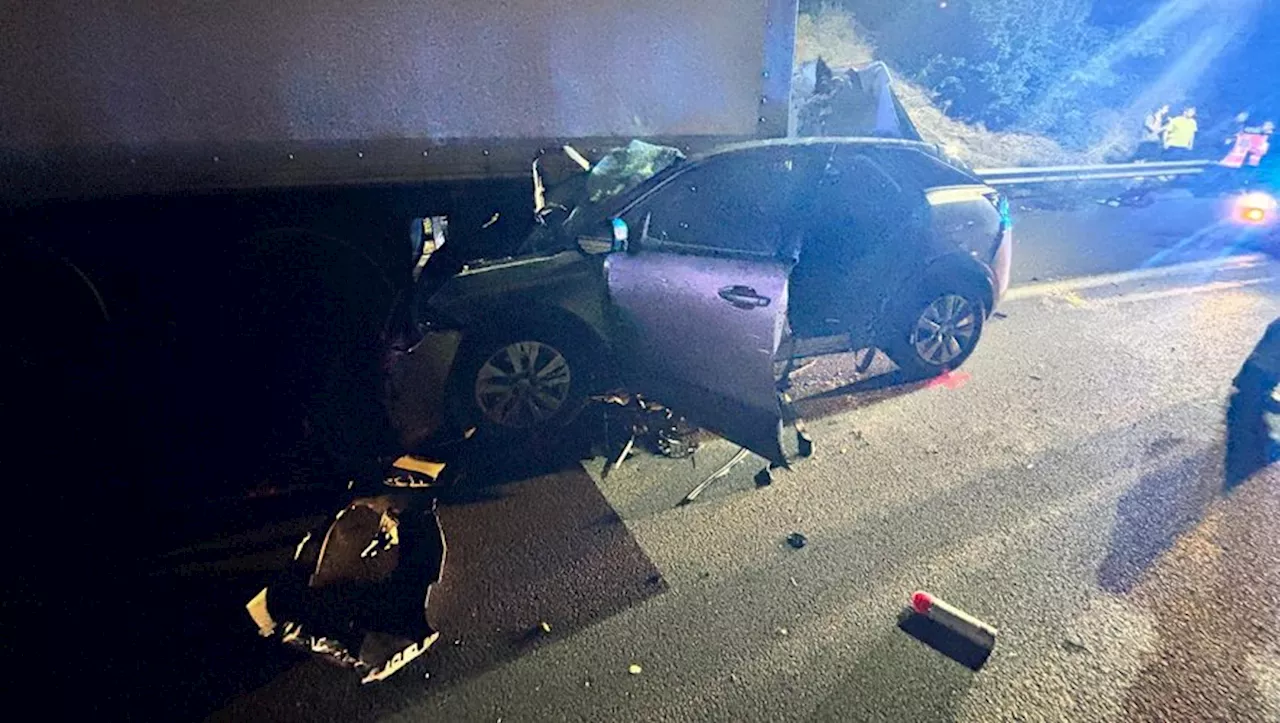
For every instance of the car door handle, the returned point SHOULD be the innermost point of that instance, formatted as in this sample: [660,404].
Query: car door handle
[744,297]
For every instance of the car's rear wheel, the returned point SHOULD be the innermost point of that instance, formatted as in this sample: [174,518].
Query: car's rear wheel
[522,386]
[943,329]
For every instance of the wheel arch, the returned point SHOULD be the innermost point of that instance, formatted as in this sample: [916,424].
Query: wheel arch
[965,268]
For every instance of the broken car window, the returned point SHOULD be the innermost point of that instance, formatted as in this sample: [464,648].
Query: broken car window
[743,204]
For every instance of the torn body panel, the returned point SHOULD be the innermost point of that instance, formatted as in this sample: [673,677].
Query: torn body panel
[358,589]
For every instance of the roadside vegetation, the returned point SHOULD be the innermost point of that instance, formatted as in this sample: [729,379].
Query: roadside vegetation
[1031,82]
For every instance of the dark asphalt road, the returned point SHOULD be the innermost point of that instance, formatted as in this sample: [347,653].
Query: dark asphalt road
[1067,486]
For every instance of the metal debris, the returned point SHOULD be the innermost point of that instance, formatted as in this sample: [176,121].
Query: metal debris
[721,472]
[653,425]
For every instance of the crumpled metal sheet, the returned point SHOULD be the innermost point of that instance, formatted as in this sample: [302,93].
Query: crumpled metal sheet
[357,591]
[858,103]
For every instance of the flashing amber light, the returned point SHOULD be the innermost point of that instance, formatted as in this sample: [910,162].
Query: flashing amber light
[1253,215]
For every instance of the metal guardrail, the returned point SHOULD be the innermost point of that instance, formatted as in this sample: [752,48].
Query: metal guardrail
[1104,172]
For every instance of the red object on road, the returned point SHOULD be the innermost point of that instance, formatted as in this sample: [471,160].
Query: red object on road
[949,379]
[954,619]
[921,602]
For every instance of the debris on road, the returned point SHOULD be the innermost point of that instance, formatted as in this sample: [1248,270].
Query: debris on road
[635,669]
[616,460]
[545,627]
[721,472]
[651,424]
[797,540]
[1074,299]
[357,589]
[1074,646]
[803,441]
[948,630]
[807,365]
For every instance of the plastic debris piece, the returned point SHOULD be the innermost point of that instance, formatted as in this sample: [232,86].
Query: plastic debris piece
[805,443]
[635,669]
[797,540]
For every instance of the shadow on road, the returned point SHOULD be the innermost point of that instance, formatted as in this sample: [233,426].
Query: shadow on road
[1154,513]
[545,549]
[1171,501]
[856,395]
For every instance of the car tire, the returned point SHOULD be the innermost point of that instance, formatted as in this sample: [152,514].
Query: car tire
[940,329]
[519,387]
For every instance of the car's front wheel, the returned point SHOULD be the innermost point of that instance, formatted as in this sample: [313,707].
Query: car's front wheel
[943,330]
[522,386]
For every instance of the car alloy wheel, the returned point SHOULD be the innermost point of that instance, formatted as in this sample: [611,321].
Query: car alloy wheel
[945,330]
[523,384]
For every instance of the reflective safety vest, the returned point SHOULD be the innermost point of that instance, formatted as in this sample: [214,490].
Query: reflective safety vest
[1250,146]
[1181,133]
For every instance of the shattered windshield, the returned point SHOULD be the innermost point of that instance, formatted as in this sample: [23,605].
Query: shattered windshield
[622,169]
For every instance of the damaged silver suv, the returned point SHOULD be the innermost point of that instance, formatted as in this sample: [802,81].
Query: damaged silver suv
[687,279]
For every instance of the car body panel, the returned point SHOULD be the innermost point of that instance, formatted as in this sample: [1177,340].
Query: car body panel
[520,290]
[416,384]
[693,344]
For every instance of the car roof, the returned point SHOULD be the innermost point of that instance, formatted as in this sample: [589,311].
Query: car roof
[811,142]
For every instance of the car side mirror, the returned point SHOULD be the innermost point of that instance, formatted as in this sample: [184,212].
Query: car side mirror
[595,245]
[621,235]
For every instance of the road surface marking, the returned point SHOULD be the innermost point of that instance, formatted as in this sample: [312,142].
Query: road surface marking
[1181,291]
[1058,288]
[1074,299]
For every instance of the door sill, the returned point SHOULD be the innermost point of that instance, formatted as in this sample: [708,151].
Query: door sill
[817,346]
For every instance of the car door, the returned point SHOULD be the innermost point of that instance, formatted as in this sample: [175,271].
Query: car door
[871,220]
[700,297]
